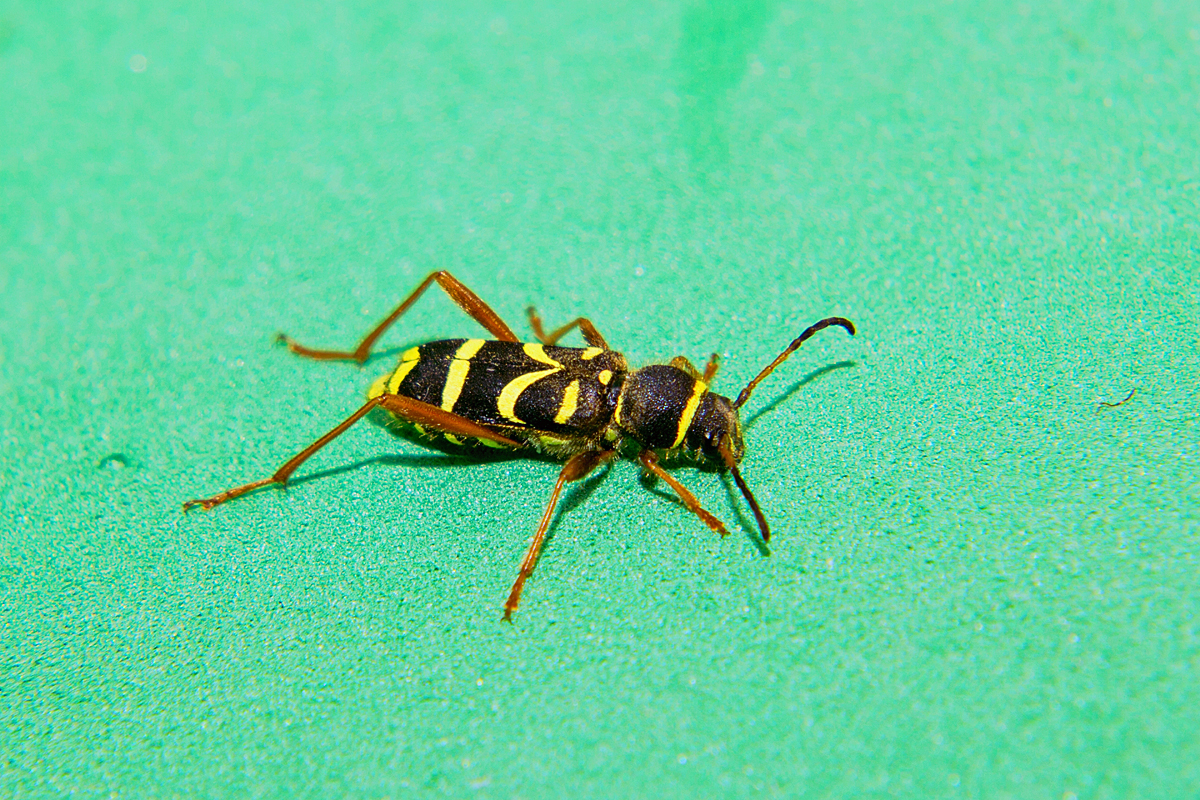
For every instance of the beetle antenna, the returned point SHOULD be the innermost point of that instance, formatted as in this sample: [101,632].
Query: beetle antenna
[727,457]
[791,348]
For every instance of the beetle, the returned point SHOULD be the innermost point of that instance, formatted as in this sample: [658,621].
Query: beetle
[580,405]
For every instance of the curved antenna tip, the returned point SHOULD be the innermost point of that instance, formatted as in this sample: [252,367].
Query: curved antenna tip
[791,348]
[841,322]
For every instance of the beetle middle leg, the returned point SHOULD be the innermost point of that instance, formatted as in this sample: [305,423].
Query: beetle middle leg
[579,466]
[463,297]
[590,334]
[685,364]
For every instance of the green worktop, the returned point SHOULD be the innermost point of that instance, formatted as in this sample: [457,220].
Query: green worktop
[983,582]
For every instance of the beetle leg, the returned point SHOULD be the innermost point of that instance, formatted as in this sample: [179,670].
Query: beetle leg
[577,467]
[590,334]
[685,364]
[649,461]
[405,407]
[283,473]
[463,297]
[430,416]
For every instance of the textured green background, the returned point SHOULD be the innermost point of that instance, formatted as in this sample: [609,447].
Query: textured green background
[982,585]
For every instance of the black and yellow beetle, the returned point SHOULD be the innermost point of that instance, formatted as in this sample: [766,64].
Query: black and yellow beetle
[578,404]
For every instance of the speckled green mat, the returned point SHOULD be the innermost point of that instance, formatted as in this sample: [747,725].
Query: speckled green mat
[983,583]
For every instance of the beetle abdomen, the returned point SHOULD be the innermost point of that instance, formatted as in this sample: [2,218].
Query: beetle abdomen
[510,385]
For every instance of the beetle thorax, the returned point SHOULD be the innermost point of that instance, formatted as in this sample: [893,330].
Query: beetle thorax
[664,408]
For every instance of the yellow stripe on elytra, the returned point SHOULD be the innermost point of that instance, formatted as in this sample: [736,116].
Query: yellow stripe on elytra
[570,402]
[538,353]
[689,411]
[467,350]
[407,361]
[457,376]
[506,403]
[590,353]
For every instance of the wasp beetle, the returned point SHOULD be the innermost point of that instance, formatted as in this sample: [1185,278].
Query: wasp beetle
[578,404]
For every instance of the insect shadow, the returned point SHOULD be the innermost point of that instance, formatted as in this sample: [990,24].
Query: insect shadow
[442,454]
[815,375]
[394,460]
[749,529]
[576,496]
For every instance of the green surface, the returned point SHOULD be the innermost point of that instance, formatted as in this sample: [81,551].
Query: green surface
[982,583]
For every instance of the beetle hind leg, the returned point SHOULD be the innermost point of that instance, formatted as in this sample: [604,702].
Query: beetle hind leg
[579,466]
[463,297]
[282,474]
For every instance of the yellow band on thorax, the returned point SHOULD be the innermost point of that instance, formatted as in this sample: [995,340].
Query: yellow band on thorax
[689,411]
